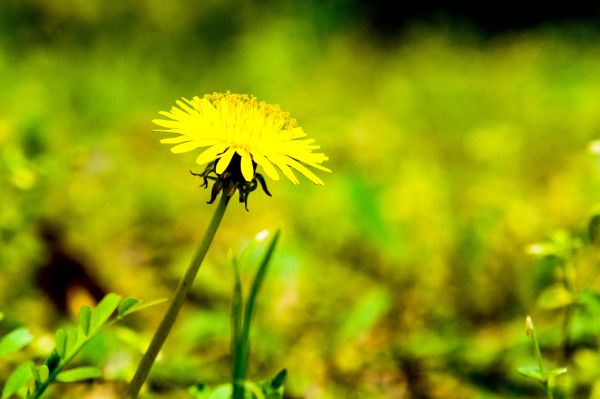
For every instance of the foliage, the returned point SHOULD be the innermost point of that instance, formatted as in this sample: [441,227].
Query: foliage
[405,277]
[31,381]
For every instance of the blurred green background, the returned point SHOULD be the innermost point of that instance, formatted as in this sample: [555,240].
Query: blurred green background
[405,276]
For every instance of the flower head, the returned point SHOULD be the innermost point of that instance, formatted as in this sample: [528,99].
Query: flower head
[238,133]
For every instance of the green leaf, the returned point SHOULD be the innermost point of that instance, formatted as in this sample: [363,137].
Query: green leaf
[102,312]
[236,322]
[84,319]
[43,372]
[53,360]
[557,371]
[273,388]
[142,305]
[72,341]
[18,379]
[79,374]
[1,316]
[35,372]
[244,338]
[15,340]
[61,342]
[126,304]
[222,392]
[554,297]
[533,373]
[253,391]
[279,379]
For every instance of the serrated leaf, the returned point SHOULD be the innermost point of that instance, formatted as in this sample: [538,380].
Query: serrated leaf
[126,304]
[102,312]
[61,342]
[14,341]
[84,319]
[556,296]
[143,305]
[17,379]
[79,374]
[43,372]
[533,373]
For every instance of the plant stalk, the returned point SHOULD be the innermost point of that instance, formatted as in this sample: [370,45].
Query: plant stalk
[181,293]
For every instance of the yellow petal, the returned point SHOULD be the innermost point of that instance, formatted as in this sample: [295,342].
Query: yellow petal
[185,107]
[167,123]
[225,160]
[302,169]
[318,166]
[266,165]
[246,164]
[211,153]
[279,161]
[175,140]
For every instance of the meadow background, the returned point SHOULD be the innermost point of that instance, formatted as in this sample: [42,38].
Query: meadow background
[405,276]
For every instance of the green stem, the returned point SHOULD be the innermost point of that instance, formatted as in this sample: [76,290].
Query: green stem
[180,295]
[538,356]
[567,267]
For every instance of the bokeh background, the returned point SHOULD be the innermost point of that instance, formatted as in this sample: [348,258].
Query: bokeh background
[457,137]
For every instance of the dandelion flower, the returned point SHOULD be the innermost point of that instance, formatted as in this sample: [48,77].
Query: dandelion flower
[230,124]
[238,133]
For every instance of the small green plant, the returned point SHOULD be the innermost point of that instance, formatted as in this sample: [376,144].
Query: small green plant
[266,389]
[30,380]
[565,292]
[538,373]
[241,320]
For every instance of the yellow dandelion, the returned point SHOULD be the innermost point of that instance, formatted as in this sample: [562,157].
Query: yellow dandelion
[237,133]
